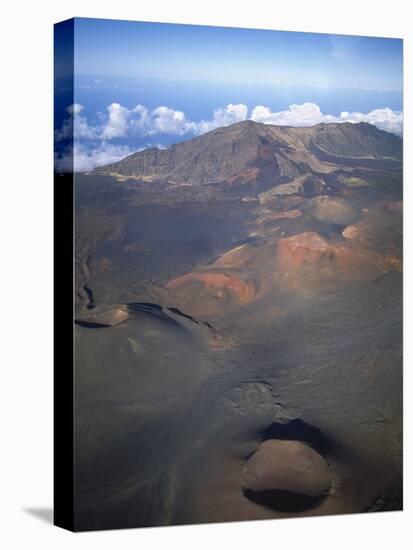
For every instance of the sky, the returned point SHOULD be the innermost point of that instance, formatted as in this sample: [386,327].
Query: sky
[140,85]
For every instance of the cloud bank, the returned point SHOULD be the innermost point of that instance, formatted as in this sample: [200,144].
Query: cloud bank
[309,114]
[82,158]
[92,145]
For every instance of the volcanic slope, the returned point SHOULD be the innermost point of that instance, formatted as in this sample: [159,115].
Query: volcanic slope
[240,293]
[253,153]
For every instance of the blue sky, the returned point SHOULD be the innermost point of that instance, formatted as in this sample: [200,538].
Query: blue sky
[125,48]
[139,85]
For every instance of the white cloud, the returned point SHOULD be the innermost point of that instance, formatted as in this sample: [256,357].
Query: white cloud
[169,121]
[162,120]
[75,125]
[306,114]
[83,159]
[223,117]
[75,109]
[385,119]
[122,123]
[309,114]
[140,121]
[117,125]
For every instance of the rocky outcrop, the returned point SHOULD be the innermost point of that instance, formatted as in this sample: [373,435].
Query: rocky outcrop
[292,188]
[305,185]
[380,228]
[332,210]
[308,260]
[210,292]
[303,262]
[102,318]
[350,140]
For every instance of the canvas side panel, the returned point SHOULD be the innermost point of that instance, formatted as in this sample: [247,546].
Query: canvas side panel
[63,277]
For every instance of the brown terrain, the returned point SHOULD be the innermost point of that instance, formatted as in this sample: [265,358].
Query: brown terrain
[238,332]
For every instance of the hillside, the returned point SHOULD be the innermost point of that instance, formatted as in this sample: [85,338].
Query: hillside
[253,153]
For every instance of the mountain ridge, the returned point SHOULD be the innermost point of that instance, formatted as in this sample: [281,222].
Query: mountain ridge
[249,152]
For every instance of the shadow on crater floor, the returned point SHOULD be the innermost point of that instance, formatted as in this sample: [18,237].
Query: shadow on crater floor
[283,501]
[298,430]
